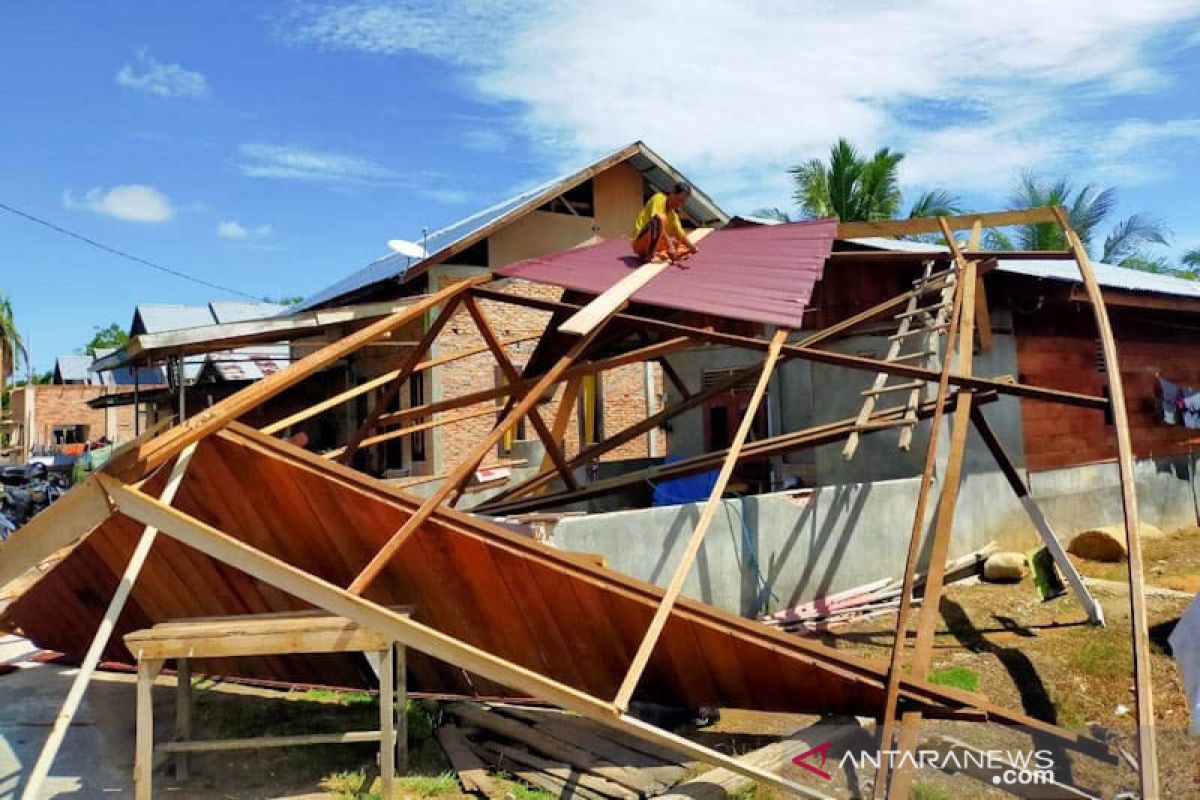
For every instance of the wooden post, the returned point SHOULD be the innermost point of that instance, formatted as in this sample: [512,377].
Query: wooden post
[1142,678]
[936,570]
[566,406]
[183,713]
[1092,606]
[454,482]
[401,707]
[406,367]
[387,720]
[512,376]
[62,723]
[646,649]
[143,762]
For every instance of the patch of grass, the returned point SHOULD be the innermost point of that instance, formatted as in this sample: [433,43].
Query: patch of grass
[429,785]
[956,677]
[756,792]
[927,791]
[341,698]
[1102,655]
[1067,710]
[352,785]
[520,791]
[345,785]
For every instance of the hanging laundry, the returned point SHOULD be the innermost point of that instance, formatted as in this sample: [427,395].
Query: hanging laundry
[1189,403]
[1169,394]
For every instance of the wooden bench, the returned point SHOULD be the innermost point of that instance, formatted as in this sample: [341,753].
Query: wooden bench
[257,635]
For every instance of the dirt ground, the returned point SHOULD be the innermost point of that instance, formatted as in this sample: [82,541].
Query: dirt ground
[1023,653]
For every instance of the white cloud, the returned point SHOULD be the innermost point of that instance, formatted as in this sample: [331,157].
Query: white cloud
[447,196]
[752,88]
[236,230]
[134,202]
[165,80]
[282,161]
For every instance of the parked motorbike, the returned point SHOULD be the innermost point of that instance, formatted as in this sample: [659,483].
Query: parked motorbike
[24,491]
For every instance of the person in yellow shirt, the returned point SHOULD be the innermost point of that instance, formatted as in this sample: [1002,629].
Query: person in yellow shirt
[657,233]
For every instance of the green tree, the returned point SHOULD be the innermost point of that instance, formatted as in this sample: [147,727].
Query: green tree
[110,337]
[1088,210]
[12,348]
[855,189]
[288,300]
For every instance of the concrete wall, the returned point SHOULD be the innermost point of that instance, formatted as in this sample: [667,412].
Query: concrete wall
[810,543]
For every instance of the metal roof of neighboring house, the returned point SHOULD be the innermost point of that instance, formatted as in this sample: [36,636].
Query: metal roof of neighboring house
[247,363]
[442,244]
[758,273]
[74,369]
[1107,275]
[159,317]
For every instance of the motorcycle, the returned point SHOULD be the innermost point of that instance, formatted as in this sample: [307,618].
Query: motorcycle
[24,491]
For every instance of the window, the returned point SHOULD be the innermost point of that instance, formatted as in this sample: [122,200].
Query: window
[416,397]
[70,434]
[505,447]
[591,410]
[579,202]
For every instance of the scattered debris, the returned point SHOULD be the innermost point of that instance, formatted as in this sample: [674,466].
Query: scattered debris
[1005,567]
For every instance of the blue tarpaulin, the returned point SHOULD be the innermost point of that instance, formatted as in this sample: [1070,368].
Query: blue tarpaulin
[691,489]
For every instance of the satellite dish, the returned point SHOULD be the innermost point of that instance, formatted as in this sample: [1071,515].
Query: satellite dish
[406,248]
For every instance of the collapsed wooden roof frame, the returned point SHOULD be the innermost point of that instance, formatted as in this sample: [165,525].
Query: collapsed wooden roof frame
[118,487]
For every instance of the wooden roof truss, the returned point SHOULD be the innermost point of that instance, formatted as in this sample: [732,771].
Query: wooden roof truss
[135,485]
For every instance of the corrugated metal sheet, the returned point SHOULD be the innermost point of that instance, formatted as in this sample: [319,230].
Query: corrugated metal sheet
[477,582]
[761,274]
[1107,275]
[240,311]
[248,363]
[159,317]
[74,369]
[391,267]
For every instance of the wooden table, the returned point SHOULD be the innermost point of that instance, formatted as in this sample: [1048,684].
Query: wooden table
[254,635]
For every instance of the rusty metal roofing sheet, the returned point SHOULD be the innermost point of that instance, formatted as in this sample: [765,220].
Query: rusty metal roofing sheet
[761,274]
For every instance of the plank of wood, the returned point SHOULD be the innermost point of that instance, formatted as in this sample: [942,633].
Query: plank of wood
[472,772]
[136,461]
[436,422]
[613,299]
[375,383]
[556,786]
[62,722]
[298,583]
[564,772]
[720,784]
[646,648]
[1142,676]
[259,742]
[454,482]
[76,514]
[549,439]
[905,227]
[623,782]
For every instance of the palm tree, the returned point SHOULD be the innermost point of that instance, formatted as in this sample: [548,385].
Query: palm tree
[1087,210]
[855,189]
[1192,258]
[773,213]
[11,346]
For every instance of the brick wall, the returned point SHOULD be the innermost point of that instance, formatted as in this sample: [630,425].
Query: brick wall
[56,406]
[1058,347]
[622,390]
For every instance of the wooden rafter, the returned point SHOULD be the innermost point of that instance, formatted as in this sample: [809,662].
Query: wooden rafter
[907,227]
[642,657]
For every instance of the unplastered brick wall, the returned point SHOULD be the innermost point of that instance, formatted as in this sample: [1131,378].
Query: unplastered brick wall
[623,390]
[67,405]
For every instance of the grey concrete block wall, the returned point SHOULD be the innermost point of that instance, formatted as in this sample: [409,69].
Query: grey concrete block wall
[776,550]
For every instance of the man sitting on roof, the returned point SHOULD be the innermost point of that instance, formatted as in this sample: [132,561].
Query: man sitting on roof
[657,233]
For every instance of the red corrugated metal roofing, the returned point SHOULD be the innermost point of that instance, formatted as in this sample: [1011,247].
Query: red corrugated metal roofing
[757,273]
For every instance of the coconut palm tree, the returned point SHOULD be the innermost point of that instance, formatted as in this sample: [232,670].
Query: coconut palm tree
[1088,209]
[11,346]
[855,189]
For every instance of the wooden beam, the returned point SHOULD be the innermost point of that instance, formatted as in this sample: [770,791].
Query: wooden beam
[553,452]
[1092,606]
[1146,300]
[650,639]
[375,383]
[453,483]
[896,659]
[406,367]
[137,460]
[810,353]
[565,407]
[613,299]
[79,684]
[648,353]
[906,227]
[1142,676]
[387,436]
[77,513]
[401,628]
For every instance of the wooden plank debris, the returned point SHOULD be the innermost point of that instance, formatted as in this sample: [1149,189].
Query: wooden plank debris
[472,772]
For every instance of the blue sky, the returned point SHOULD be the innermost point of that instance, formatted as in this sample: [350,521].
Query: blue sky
[275,147]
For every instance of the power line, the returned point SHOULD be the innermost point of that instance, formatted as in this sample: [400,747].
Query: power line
[123,254]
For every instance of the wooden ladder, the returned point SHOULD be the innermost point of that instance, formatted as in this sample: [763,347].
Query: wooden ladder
[915,321]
